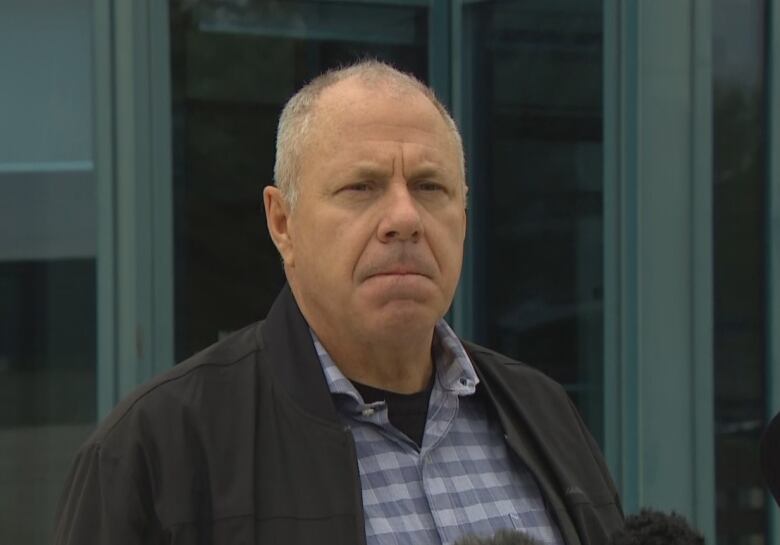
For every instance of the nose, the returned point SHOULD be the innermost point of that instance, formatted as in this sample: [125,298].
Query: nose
[401,221]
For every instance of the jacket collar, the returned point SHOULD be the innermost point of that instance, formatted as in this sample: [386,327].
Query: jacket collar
[284,337]
[287,341]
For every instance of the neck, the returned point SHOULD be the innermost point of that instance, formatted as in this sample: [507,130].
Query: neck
[401,365]
[397,361]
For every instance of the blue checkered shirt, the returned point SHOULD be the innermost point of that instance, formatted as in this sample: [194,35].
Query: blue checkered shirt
[463,480]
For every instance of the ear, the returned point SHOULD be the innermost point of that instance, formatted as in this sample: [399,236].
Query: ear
[465,210]
[277,217]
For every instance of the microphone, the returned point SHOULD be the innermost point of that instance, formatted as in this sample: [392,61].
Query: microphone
[770,457]
[651,527]
[502,537]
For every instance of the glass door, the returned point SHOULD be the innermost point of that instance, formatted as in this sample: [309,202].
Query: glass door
[528,95]
[740,240]
[526,88]
[234,65]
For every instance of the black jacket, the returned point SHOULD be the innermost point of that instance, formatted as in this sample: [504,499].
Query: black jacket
[241,444]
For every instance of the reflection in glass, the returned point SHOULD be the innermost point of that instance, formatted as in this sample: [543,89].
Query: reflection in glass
[48,329]
[533,97]
[739,282]
[234,66]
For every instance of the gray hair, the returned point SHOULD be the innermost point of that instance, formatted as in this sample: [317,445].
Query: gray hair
[297,117]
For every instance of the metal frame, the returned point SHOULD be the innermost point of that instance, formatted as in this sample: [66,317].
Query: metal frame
[463,303]
[102,50]
[439,49]
[620,261]
[143,192]
[702,391]
[133,172]
[161,181]
[658,256]
[773,234]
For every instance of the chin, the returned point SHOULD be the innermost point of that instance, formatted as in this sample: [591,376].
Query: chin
[403,319]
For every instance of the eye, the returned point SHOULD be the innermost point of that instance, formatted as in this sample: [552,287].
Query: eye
[427,185]
[359,186]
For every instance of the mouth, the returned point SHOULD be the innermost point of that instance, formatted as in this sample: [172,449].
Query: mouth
[399,269]
[398,273]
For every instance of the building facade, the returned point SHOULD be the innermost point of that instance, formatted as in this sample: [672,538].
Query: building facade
[624,213]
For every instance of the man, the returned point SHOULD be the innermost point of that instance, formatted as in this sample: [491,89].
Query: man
[352,414]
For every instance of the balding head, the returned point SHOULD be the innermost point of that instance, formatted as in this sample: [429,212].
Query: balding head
[300,115]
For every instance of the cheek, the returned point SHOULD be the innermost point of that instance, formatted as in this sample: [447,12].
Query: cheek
[331,249]
[452,229]
[455,233]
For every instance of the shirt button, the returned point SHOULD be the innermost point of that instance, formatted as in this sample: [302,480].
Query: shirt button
[368,411]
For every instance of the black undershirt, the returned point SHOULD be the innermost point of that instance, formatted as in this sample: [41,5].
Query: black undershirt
[407,412]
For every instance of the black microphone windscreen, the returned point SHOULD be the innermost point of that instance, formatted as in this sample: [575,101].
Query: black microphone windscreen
[502,537]
[770,457]
[651,527]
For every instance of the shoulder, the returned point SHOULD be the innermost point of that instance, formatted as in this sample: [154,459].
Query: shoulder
[500,368]
[491,357]
[156,455]
[526,394]
[220,378]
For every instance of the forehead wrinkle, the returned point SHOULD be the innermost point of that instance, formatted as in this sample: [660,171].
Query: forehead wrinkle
[371,169]
[425,170]
[427,160]
[429,149]
[402,136]
[371,160]
[372,124]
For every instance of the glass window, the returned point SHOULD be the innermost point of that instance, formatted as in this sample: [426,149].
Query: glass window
[535,163]
[532,93]
[739,222]
[47,258]
[234,66]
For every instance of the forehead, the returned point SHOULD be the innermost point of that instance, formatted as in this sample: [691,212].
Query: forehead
[352,108]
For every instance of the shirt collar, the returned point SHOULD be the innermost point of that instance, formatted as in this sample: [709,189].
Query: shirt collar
[454,371]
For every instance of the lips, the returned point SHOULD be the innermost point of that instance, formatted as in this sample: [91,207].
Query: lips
[398,264]
[398,273]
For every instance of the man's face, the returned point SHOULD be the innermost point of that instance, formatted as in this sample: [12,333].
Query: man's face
[375,241]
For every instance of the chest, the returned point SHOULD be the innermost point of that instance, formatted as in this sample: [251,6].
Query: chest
[462,480]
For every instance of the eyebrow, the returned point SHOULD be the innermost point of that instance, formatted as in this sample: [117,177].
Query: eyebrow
[426,171]
[427,168]
[378,171]
[370,170]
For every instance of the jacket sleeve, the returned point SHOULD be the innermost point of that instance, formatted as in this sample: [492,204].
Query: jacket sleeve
[106,501]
